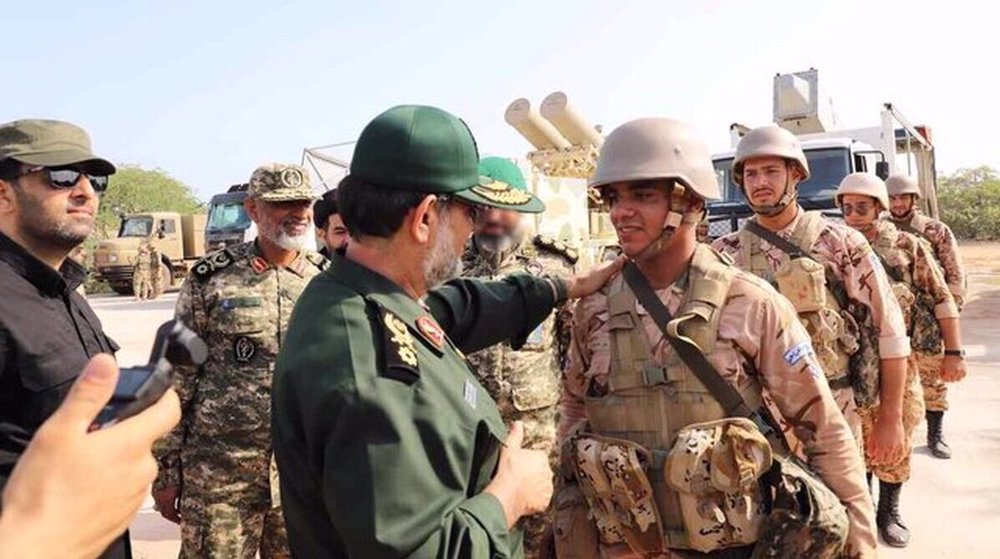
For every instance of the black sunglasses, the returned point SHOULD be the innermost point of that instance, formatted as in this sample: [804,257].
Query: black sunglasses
[68,178]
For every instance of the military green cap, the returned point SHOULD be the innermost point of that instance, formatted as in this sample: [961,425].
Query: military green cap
[503,170]
[280,182]
[50,143]
[425,149]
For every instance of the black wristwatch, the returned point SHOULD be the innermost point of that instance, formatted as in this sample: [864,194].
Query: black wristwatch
[955,353]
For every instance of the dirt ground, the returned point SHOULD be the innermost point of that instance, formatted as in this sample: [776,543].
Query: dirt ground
[952,507]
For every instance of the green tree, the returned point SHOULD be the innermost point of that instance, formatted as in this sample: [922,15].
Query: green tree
[134,189]
[969,200]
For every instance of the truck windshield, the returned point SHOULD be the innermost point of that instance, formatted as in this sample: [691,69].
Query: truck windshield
[227,216]
[827,167]
[136,227]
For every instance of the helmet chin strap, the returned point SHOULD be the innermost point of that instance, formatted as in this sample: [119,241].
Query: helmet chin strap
[787,197]
[673,222]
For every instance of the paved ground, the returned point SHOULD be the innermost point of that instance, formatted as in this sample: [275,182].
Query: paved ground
[952,507]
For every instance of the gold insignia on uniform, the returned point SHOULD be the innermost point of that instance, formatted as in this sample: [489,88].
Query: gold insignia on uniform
[401,338]
[258,264]
[292,178]
[501,192]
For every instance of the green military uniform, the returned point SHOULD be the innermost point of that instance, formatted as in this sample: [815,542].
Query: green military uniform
[384,438]
[220,454]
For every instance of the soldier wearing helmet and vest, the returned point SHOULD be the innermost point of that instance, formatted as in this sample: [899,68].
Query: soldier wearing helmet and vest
[645,443]
[832,278]
[905,215]
[931,317]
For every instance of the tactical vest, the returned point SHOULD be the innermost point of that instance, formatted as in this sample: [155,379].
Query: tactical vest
[648,410]
[922,325]
[803,281]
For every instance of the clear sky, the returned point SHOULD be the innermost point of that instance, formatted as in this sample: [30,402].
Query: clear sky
[207,90]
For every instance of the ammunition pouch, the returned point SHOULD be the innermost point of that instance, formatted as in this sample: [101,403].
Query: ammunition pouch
[805,518]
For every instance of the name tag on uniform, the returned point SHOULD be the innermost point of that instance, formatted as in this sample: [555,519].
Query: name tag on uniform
[471,393]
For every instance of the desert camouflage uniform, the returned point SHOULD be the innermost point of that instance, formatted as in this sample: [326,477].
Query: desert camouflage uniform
[155,279]
[758,347]
[847,254]
[220,453]
[525,382]
[942,240]
[911,259]
[142,286]
[939,235]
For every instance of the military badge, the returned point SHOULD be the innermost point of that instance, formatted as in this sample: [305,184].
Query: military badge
[258,264]
[431,331]
[244,349]
[501,192]
[212,263]
[292,178]
[400,349]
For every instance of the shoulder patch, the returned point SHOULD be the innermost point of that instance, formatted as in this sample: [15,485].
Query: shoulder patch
[398,347]
[548,244]
[209,265]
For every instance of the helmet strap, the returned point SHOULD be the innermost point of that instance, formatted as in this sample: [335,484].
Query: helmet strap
[791,192]
[680,213]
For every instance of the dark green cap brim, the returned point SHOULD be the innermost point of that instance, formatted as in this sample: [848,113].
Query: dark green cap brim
[498,194]
[63,158]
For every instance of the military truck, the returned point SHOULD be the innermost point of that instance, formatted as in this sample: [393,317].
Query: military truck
[228,222]
[179,239]
[893,146]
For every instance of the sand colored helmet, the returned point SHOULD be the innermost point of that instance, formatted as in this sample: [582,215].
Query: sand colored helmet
[769,141]
[902,184]
[864,184]
[657,148]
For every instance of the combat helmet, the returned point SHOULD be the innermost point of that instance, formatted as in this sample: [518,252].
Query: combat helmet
[864,184]
[771,141]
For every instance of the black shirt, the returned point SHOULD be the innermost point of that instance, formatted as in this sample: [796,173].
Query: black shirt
[48,332]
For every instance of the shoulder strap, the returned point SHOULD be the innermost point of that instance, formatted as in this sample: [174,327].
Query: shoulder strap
[836,286]
[728,397]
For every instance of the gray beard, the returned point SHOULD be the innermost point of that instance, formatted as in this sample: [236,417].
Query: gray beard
[284,240]
[443,262]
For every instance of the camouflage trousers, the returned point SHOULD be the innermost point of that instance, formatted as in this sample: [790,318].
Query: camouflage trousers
[142,285]
[539,434]
[226,504]
[935,389]
[913,414]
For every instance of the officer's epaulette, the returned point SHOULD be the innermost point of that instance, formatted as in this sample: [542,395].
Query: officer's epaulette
[548,244]
[318,260]
[212,263]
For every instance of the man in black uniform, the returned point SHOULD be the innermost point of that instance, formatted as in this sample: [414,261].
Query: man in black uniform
[50,187]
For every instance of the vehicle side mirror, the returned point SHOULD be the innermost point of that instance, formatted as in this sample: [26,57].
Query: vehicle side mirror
[882,169]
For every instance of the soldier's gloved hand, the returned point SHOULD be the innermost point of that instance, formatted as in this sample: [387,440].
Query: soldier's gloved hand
[589,282]
[74,490]
[523,482]
[887,443]
[167,503]
[953,368]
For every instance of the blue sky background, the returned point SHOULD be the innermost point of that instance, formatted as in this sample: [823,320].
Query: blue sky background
[208,90]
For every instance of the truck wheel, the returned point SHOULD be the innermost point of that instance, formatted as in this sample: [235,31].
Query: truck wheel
[122,288]
[166,276]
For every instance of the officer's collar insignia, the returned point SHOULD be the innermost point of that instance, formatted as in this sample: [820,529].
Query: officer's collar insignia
[244,349]
[258,264]
[291,178]
[534,268]
[501,192]
[431,331]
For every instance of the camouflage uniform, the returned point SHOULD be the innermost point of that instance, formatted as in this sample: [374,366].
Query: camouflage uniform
[945,250]
[220,454]
[525,382]
[79,255]
[141,282]
[847,255]
[757,348]
[155,278]
[928,298]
